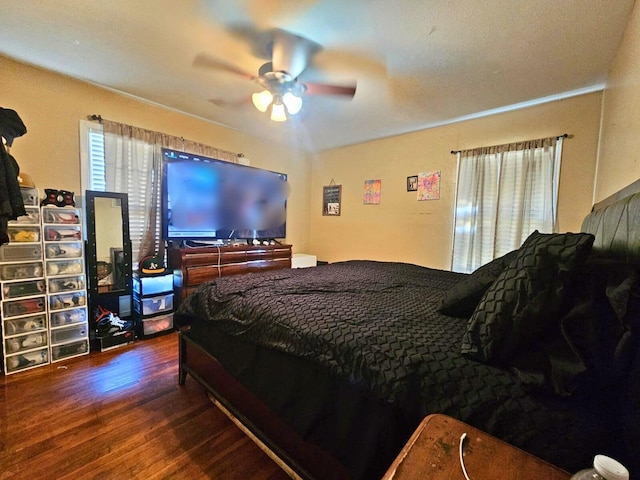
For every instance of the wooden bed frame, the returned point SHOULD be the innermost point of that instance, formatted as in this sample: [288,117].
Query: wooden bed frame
[301,459]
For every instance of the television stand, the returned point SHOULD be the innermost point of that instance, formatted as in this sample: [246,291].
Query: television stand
[195,266]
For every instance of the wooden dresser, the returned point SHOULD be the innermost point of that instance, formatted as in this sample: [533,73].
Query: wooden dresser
[194,266]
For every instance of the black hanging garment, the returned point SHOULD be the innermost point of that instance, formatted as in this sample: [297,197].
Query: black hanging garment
[11,204]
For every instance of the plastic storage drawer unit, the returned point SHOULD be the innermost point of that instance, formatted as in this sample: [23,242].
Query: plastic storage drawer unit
[29,196]
[28,306]
[69,334]
[61,216]
[20,253]
[23,289]
[20,271]
[66,284]
[67,300]
[23,361]
[144,286]
[31,218]
[62,233]
[23,233]
[64,267]
[68,317]
[155,305]
[25,342]
[61,250]
[18,326]
[60,352]
[153,325]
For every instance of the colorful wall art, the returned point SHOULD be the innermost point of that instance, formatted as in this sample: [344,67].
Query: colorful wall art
[429,186]
[372,190]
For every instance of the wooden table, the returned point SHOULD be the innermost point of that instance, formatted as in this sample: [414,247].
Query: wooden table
[432,453]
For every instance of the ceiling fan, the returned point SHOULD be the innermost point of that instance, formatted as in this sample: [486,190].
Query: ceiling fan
[282,92]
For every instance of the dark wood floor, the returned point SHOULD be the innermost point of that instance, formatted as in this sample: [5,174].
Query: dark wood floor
[120,415]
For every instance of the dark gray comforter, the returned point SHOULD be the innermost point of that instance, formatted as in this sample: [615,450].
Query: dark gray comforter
[376,325]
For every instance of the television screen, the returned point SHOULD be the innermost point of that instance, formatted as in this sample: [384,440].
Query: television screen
[208,199]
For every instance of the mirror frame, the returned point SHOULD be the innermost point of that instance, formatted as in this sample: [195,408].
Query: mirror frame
[108,299]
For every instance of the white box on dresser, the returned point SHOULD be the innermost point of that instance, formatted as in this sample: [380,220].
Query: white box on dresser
[303,260]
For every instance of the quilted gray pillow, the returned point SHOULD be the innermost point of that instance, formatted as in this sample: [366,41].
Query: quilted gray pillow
[526,298]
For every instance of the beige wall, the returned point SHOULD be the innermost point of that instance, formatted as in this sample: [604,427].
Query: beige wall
[51,106]
[619,157]
[403,229]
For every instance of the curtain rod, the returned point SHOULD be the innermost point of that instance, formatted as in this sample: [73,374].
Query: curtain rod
[564,135]
[99,119]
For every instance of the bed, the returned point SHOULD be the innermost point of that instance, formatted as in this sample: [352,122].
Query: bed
[332,368]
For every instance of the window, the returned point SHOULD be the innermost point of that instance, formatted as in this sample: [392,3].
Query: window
[129,170]
[503,194]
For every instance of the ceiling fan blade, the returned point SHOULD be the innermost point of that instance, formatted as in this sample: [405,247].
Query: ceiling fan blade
[219,102]
[324,89]
[204,60]
[291,53]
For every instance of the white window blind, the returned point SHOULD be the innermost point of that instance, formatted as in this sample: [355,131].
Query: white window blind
[97,177]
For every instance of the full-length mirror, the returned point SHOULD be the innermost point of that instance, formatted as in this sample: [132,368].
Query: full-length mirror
[109,244]
[108,251]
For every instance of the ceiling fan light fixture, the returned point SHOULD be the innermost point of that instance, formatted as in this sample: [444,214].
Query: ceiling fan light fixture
[292,102]
[262,100]
[278,112]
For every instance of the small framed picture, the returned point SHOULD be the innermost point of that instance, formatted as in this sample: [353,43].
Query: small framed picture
[412,183]
[331,200]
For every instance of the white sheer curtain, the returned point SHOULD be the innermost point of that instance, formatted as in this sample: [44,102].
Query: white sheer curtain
[504,193]
[133,165]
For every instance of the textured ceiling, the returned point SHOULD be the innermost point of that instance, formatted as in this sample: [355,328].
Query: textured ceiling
[418,63]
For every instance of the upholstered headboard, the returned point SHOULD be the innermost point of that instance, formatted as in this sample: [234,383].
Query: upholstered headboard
[616,226]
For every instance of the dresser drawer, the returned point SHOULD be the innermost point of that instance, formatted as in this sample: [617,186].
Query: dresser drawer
[271,264]
[284,252]
[210,257]
[199,275]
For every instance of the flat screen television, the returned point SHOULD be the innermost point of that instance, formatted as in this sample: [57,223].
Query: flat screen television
[208,199]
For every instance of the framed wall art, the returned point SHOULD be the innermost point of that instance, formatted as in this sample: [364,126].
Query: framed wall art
[412,183]
[429,186]
[331,200]
[372,191]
